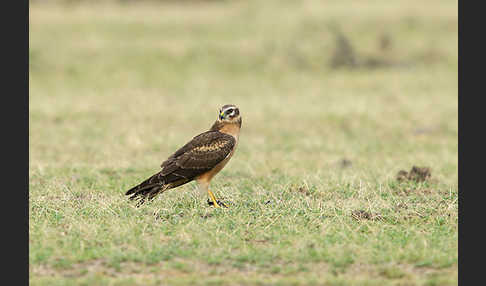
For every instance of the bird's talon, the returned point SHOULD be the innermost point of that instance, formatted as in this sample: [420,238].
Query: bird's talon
[220,203]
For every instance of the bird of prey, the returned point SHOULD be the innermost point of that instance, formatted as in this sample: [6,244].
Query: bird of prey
[200,159]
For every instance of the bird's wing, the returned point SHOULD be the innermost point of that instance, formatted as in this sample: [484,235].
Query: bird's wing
[199,155]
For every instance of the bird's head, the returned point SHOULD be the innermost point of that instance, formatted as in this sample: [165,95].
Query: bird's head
[229,113]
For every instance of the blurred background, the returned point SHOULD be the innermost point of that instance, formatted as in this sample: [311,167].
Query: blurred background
[336,98]
[123,83]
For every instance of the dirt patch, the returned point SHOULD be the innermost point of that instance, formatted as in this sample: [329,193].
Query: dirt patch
[345,55]
[419,191]
[187,268]
[344,163]
[416,174]
[304,190]
[301,189]
[362,214]
[75,270]
[206,216]
[259,241]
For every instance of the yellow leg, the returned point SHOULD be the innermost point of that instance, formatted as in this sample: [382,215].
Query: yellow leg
[215,202]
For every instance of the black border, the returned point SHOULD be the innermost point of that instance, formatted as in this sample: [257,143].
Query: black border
[15,130]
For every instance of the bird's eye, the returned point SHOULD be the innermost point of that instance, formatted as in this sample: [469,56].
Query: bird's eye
[229,111]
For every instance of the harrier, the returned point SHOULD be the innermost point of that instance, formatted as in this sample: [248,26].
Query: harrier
[200,159]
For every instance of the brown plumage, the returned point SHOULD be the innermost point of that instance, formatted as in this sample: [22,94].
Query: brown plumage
[200,159]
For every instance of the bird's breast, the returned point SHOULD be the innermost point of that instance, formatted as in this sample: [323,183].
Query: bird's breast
[206,177]
[231,129]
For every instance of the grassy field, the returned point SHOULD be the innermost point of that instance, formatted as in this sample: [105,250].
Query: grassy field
[336,96]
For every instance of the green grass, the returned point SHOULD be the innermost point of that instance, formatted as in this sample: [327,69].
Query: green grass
[117,88]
